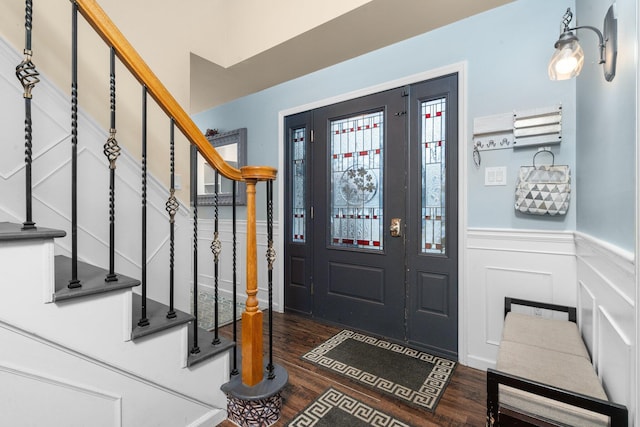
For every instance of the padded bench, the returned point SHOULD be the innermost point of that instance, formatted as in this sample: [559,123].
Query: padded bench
[544,375]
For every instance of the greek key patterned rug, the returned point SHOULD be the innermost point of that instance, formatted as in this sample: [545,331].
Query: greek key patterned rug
[334,409]
[409,375]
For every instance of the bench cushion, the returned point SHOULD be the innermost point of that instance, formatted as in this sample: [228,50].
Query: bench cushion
[552,334]
[568,371]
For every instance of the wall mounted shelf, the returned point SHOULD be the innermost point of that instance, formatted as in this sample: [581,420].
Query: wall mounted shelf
[525,128]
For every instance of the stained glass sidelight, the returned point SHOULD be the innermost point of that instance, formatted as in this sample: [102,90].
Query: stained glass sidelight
[433,145]
[357,150]
[298,159]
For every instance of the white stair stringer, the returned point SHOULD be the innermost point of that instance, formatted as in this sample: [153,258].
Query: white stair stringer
[96,329]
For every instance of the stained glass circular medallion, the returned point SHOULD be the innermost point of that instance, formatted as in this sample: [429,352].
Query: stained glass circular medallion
[358,185]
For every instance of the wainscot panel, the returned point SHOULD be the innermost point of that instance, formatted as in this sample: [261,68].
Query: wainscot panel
[535,265]
[606,314]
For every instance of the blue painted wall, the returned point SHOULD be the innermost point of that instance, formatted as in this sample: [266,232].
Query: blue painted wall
[606,117]
[506,49]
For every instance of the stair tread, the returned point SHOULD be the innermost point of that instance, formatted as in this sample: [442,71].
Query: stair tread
[10,231]
[91,279]
[157,316]
[207,349]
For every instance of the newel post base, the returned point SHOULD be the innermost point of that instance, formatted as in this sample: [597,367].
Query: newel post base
[252,369]
[260,405]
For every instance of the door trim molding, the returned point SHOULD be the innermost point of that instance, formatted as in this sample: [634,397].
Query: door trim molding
[461,69]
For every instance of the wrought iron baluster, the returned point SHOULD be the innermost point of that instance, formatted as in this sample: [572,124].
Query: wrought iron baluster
[28,75]
[112,152]
[172,207]
[74,282]
[235,370]
[216,248]
[194,200]
[143,318]
[271,257]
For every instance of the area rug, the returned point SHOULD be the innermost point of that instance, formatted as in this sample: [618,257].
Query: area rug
[206,310]
[334,409]
[409,375]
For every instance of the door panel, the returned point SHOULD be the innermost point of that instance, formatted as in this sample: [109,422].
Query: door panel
[298,250]
[359,269]
[432,254]
[357,282]
[432,295]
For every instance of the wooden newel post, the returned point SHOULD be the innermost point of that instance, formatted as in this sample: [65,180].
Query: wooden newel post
[252,358]
[252,370]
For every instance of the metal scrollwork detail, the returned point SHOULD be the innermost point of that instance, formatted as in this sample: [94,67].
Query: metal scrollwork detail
[111,149]
[271,254]
[566,19]
[172,206]
[216,247]
[27,74]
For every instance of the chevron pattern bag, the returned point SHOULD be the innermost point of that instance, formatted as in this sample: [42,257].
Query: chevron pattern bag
[543,190]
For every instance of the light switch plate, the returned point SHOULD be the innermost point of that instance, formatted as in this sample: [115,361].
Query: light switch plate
[495,176]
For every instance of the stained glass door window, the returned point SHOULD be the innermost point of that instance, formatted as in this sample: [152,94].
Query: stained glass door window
[298,167]
[356,159]
[433,148]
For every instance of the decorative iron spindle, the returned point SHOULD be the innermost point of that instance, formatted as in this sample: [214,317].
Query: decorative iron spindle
[216,248]
[194,199]
[172,207]
[271,257]
[112,151]
[235,370]
[74,282]
[143,318]
[28,75]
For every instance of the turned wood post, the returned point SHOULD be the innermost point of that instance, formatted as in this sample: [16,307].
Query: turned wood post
[252,358]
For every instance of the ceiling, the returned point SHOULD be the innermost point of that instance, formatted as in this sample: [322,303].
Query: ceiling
[370,26]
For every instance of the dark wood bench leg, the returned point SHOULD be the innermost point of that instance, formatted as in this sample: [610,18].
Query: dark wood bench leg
[492,399]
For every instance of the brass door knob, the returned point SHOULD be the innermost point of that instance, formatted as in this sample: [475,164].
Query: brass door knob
[396,227]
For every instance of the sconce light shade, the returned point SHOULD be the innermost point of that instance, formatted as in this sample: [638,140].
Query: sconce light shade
[568,58]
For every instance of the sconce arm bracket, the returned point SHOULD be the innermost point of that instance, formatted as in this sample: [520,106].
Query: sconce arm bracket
[601,42]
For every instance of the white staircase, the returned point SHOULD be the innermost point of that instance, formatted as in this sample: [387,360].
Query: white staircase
[72,363]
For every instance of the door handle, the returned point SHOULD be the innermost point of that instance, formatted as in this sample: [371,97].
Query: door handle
[395,229]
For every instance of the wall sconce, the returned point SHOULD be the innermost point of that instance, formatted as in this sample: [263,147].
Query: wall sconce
[568,58]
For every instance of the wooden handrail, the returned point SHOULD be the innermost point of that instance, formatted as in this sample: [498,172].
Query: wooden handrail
[107,30]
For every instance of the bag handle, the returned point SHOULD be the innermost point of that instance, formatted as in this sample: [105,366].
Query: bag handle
[553,158]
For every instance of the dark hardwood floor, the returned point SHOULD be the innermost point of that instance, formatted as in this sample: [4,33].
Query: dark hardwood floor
[463,403]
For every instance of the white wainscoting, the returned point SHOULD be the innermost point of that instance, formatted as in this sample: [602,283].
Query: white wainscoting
[30,390]
[535,265]
[563,268]
[606,315]
[42,380]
